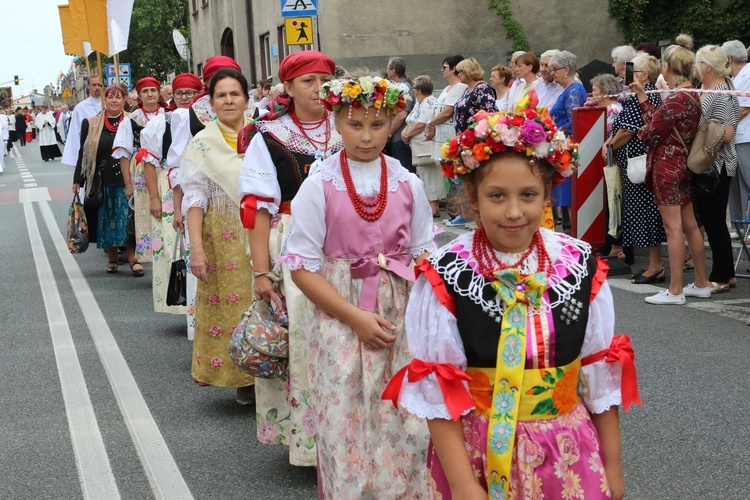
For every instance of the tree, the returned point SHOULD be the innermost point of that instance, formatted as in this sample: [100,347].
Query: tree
[151,50]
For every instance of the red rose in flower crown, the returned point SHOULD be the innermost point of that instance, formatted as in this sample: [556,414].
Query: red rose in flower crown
[528,131]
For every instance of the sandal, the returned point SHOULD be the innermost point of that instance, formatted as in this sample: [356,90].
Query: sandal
[644,279]
[111,267]
[718,287]
[137,269]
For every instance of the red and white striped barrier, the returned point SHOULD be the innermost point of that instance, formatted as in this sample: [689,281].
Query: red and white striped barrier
[587,211]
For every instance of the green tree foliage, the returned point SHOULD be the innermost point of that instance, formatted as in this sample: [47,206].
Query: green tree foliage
[709,22]
[151,50]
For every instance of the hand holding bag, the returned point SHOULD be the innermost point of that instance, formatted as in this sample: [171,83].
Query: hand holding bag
[177,286]
[78,229]
[260,343]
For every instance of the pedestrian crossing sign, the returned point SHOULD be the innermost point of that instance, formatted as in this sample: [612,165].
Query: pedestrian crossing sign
[299,30]
[66,93]
[294,8]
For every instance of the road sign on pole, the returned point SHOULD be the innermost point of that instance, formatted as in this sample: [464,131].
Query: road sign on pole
[66,93]
[299,30]
[294,8]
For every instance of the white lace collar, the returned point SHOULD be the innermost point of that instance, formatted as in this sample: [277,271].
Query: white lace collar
[286,132]
[139,116]
[366,176]
[568,256]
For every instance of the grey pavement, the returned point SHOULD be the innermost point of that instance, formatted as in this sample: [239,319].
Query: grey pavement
[689,441]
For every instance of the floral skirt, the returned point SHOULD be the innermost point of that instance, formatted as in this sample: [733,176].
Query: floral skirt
[671,184]
[220,303]
[283,405]
[557,458]
[142,205]
[366,448]
[163,240]
[112,223]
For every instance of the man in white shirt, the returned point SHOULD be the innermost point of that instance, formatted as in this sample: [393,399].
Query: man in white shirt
[548,90]
[737,54]
[85,109]
[4,135]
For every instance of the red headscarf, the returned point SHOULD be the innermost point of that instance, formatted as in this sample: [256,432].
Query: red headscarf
[187,81]
[149,81]
[304,62]
[216,63]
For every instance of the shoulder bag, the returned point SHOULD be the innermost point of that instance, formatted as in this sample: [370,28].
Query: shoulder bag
[177,286]
[707,143]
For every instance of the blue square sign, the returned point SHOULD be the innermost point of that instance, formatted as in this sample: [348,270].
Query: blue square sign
[295,8]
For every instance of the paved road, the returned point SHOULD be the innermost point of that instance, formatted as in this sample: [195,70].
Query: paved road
[97,395]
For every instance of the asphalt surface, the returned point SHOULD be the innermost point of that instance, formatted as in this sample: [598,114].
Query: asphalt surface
[689,441]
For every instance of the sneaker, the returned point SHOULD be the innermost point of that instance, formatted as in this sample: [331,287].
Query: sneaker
[664,297]
[693,291]
[458,222]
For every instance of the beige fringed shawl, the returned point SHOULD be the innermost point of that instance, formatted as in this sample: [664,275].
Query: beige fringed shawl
[90,146]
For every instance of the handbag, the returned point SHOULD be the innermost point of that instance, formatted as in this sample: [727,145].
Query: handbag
[130,226]
[77,235]
[260,343]
[707,143]
[614,194]
[96,193]
[177,286]
[705,184]
[637,169]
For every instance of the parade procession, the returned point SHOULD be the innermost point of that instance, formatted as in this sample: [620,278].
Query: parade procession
[301,249]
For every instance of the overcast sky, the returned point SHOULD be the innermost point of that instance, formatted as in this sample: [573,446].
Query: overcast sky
[31,44]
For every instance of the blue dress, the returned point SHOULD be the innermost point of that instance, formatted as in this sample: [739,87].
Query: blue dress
[574,96]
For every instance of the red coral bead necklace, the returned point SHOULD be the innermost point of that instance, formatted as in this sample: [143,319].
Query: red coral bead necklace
[368,210]
[489,263]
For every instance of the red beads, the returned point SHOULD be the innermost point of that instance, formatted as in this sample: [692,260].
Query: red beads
[488,262]
[365,208]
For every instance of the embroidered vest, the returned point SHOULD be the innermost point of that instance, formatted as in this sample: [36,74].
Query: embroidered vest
[291,167]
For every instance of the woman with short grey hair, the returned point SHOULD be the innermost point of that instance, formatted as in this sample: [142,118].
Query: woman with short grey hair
[621,55]
[607,84]
[735,51]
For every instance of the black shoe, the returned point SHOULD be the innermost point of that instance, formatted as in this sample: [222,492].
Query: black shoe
[644,279]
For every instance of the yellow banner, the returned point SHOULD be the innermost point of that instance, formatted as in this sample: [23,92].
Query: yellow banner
[71,44]
[79,21]
[96,17]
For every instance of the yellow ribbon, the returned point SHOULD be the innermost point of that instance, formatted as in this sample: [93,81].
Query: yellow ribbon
[518,292]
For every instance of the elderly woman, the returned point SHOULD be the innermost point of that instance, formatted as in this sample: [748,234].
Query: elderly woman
[527,68]
[564,66]
[441,127]
[620,56]
[282,148]
[500,78]
[667,127]
[421,149]
[713,70]
[603,87]
[110,218]
[209,171]
[642,226]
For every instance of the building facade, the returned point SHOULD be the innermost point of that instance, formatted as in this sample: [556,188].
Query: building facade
[365,35]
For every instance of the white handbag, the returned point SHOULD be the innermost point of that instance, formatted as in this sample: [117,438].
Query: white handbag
[637,169]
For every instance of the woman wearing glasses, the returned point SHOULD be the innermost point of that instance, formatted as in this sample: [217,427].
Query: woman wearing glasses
[156,138]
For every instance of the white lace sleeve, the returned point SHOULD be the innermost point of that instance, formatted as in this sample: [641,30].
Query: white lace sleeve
[180,130]
[195,186]
[258,175]
[152,140]
[433,337]
[422,237]
[600,381]
[308,233]
[122,147]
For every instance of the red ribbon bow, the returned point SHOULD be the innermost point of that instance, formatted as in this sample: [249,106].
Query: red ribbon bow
[450,378]
[142,153]
[621,351]
[248,208]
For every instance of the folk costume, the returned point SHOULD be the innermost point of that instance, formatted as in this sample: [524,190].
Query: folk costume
[108,220]
[209,171]
[156,140]
[381,452]
[45,123]
[127,145]
[281,151]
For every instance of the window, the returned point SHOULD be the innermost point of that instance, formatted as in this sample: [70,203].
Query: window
[195,6]
[265,55]
[283,47]
[227,43]
[199,70]
[204,4]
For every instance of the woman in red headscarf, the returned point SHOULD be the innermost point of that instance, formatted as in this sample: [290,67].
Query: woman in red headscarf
[126,146]
[165,197]
[282,147]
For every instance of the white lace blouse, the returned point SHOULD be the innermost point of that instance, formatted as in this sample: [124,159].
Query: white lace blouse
[309,229]
[123,146]
[433,336]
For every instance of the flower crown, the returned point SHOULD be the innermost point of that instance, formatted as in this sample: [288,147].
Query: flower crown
[527,130]
[364,92]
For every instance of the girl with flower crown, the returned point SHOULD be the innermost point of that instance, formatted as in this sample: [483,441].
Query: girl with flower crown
[516,367]
[360,222]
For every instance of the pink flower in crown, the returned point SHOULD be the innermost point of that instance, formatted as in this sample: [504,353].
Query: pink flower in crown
[215,331]
[533,133]
[510,136]
[230,266]
[482,128]
[227,235]
[216,362]
[469,161]
[213,299]
[233,298]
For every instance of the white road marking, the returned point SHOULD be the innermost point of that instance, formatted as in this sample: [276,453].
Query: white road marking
[30,185]
[94,471]
[161,469]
